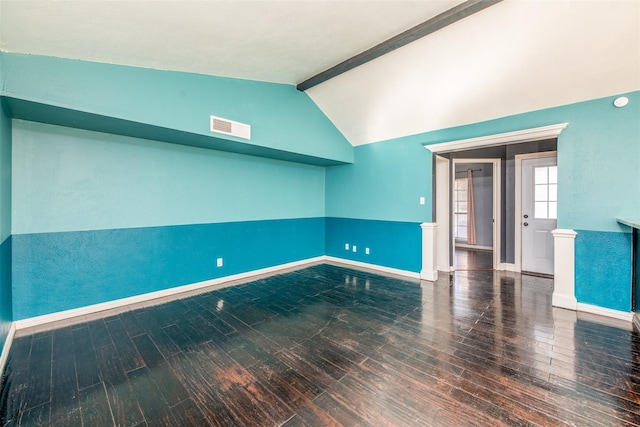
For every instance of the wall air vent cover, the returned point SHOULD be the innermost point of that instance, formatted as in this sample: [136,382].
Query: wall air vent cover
[229,127]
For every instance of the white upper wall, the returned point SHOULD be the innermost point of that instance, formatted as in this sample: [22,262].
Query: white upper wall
[514,57]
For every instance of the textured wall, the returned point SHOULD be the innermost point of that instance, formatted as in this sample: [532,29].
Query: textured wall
[603,269]
[68,179]
[392,244]
[385,182]
[66,270]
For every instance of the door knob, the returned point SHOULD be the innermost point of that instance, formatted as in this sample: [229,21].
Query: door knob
[525,224]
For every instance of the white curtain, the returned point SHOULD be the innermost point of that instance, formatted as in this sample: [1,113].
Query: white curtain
[471,216]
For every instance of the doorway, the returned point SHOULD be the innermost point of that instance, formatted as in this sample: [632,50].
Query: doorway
[536,211]
[507,244]
[473,213]
[472,248]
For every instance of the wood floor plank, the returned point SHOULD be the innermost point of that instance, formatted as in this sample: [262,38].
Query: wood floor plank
[127,352]
[99,333]
[85,358]
[154,408]
[39,376]
[62,342]
[65,407]
[340,413]
[155,331]
[192,375]
[94,406]
[187,413]
[122,400]
[39,416]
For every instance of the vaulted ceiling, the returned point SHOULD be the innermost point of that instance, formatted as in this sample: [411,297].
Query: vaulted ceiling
[513,57]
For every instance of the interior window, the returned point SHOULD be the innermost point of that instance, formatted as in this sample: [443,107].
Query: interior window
[460,209]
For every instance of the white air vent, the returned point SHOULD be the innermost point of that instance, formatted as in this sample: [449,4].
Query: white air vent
[229,127]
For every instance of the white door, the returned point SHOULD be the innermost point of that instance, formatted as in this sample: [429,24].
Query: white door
[539,213]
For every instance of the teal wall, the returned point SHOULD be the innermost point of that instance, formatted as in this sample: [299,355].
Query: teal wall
[599,181]
[375,202]
[385,182]
[68,179]
[393,244]
[65,270]
[281,117]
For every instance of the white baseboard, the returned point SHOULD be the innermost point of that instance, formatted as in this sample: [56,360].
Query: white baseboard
[389,270]
[636,322]
[506,266]
[564,301]
[615,314]
[7,346]
[474,247]
[156,297]
[429,275]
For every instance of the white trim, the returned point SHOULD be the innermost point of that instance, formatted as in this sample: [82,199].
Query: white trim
[564,269]
[497,207]
[518,201]
[506,266]
[429,270]
[443,260]
[636,322]
[571,234]
[525,135]
[375,267]
[564,301]
[156,297]
[607,312]
[7,347]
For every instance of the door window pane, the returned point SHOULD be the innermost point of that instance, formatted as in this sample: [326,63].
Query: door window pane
[460,206]
[542,175]
[541,193]
[546,192]
[553,192]
[541,210]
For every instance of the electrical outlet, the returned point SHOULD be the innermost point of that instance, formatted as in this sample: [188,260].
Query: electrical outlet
[219,262]
[354,248]
[422,200]
[346,246]
[366,251]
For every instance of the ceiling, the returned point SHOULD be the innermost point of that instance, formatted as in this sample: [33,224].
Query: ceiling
[516,56]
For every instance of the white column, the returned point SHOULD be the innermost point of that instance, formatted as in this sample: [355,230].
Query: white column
[429,270]
[564,271]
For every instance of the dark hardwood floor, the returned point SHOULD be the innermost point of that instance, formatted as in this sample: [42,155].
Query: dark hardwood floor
[473,259]
[328,345]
